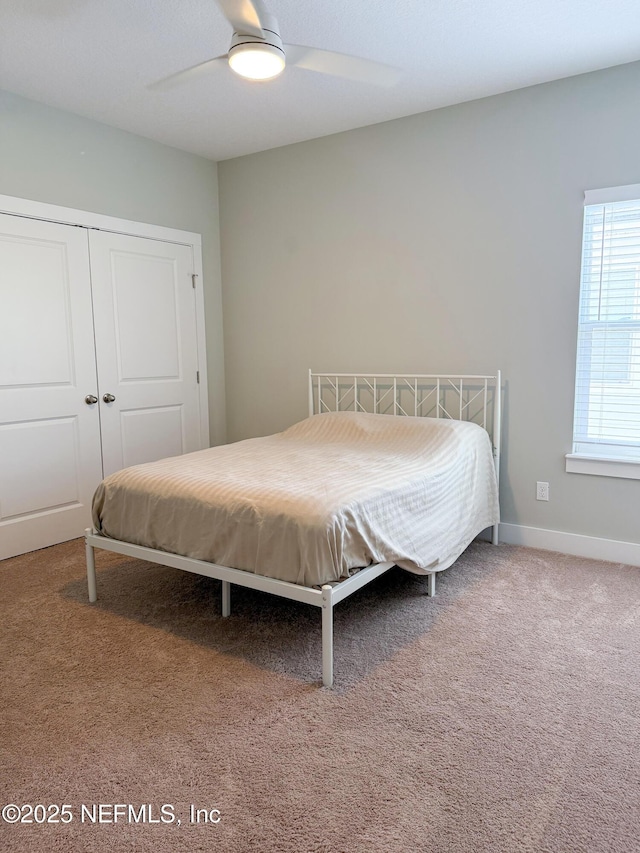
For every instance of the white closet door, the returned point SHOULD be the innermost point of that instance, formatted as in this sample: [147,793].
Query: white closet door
[50,459]
[146,344]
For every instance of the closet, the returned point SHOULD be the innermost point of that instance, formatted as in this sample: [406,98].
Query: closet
[99,368]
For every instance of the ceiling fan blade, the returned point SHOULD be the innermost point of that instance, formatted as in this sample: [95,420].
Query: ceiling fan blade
[186,74]
[342,65]
[245,16]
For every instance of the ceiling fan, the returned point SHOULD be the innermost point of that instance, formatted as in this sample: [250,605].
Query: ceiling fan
[258,53]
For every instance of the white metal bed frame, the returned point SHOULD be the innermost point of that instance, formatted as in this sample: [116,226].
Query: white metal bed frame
[472,398]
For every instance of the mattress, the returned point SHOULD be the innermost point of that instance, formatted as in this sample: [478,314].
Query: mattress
[331,494]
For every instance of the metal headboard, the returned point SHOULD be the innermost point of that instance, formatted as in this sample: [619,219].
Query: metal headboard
[462,398]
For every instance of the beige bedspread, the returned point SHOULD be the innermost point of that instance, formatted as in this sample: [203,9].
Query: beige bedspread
[332,493]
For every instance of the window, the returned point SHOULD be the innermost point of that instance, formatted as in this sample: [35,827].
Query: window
[606,425]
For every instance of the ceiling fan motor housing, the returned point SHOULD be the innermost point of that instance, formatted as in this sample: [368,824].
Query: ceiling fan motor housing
[272,41]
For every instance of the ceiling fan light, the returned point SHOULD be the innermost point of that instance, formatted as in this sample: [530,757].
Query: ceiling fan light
[257,61]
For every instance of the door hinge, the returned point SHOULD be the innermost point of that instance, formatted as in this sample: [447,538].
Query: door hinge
[198,376]
[194,276]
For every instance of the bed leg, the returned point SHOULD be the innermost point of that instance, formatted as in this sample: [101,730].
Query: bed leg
[91,570]
[495,534]
[226,598]
[327,636]
[431,588]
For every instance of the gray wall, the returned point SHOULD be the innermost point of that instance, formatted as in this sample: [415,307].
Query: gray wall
[56,157]
[447,241]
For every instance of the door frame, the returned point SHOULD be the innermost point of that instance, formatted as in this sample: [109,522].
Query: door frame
[31,209]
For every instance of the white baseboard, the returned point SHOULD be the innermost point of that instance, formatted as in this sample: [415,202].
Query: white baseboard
[611,550]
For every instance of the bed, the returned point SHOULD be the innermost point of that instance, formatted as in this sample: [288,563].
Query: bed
[386,470]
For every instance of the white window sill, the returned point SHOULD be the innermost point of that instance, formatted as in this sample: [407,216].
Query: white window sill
[578,463]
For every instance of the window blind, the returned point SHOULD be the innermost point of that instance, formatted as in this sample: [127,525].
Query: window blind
[607,401]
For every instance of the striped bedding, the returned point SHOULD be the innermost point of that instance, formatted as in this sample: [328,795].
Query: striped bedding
[331,494]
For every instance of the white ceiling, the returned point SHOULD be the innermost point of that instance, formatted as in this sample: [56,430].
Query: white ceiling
[96,58]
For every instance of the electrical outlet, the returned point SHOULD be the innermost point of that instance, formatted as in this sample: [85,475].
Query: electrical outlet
[542,491]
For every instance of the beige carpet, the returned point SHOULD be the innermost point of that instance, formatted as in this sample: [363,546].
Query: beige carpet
[502,715]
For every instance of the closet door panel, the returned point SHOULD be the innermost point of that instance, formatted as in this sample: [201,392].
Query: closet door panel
[146,344]
[50,460]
